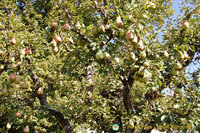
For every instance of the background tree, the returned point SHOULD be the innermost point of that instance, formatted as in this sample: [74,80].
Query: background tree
[70,65]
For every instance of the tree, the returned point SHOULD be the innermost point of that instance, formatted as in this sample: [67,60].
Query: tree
[77,64]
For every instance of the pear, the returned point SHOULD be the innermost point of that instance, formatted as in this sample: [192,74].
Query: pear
[78,26]
[132,56]
[101,29]
[13,41]
[66,27]
[57,38]
[107,55]
[18,114]
[3,91]
[53,43]
[142,55]
[178,66]
[146,64]
[140,45]
[68,77]
[134,41]
[28,51]
[54,25]
[70,40]
[1,67]
[185,24]
[186,56]
[40,91]
[99,55]
[26,129]
[119,22]
[13,78]
[55,49]
[129,35]
[8,126]
[147,76]
[22,52]
[166,55]
[151,5]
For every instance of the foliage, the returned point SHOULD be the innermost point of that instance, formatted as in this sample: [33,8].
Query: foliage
[77,64]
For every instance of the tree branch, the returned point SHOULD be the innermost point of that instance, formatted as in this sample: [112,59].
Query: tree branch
[42,98]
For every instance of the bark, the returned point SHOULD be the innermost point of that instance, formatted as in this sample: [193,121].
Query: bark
[42,98]
[128,130]
[127,100]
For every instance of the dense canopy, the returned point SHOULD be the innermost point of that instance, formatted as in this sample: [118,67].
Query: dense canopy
[73,65]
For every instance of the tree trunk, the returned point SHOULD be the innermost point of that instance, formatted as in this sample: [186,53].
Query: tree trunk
[127,101]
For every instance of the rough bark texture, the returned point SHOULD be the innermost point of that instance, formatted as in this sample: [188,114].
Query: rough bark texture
[127,100]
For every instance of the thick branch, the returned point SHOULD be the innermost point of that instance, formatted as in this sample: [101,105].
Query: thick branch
[57,114]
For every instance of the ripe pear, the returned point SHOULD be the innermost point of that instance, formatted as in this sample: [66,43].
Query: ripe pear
[3,91]
[14,78]
[178,66]
[57,38]
[28,51]
[78,26]
[8,126]
[146,64]
[129,35]
[101,29]
[66,27]
[40,91]
[13,41]
[60,82]
[186,56]
[22,52]
[70,40]
[142,54]
[54,25]
[147,76]
[134,40]
[53,43]
[18,114]
[26,129]
[185,24]
[119,22]
[132,56]
[55,49]
[140,45]
[166,55]
[151,5]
